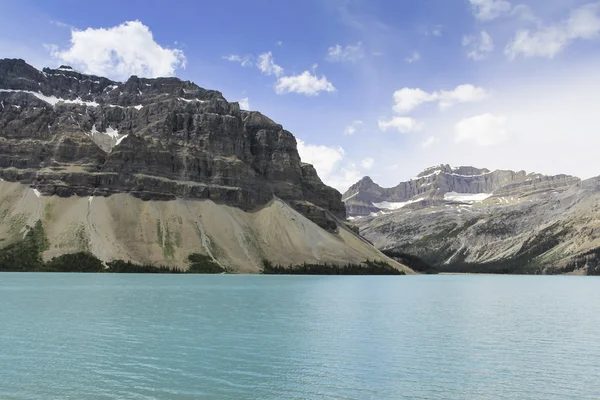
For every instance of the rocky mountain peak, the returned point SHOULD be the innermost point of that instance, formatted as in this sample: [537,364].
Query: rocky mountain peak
[447,169]
[365,185]
[434,169]
[68,133]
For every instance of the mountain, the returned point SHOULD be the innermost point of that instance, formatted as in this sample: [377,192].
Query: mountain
[468,219]
[152,170]
[436,184]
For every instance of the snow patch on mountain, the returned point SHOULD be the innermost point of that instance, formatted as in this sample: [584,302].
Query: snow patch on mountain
[466,197]
[386,205]
[53,100]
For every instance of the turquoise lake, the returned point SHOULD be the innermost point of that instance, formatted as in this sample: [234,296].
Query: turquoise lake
[458,337]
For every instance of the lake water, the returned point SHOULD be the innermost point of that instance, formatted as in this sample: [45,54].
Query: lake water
[103,336]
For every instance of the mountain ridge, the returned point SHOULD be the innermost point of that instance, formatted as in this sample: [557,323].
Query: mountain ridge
[469,219]
[433,183]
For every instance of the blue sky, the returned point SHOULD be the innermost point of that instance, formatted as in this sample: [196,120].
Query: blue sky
[383,88]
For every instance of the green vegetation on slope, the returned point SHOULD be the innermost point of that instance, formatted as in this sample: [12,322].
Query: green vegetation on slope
[430,253]
[201,264]
[590,259]
[26,256]
[415,263]
[366,268]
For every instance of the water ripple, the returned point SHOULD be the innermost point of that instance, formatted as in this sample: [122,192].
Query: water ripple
[79,337]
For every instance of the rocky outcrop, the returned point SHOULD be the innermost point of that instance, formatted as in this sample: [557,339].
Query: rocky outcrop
[71,134]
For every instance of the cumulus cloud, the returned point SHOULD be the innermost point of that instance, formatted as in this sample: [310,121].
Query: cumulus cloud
[351,129]
[400,124]
[350,53]
[331,165]
[323,158]
[482,130]
[408,99]
[346,176]
[415,56]
[305,83]
[267,66]
[479,46]
[549,40]
[244,103]
[245,61]
[486,10]
[119,52]
[461,94]
[367,163]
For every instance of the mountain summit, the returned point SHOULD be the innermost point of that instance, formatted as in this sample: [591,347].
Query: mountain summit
[151,170]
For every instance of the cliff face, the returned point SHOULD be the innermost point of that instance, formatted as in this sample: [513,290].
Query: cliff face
[67,133]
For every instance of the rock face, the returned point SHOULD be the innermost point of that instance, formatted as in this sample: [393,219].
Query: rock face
[153,170]
[66,133]
[473,220]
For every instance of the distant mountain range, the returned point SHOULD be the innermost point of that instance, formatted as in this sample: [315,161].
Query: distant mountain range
[468,219]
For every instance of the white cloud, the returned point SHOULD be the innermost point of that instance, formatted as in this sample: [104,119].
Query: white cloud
[367,163]
[400,124]
[323,158]
[351,53]
[244,103]
[483,130]
[408,99]
[486,10]
[245,61]
[430,141]
[331,165]
[305,83]
[119,52]
[479,46]
[461,94]
[345,177]
[279,43]
[351,129]
[551,126]
[267,65]
[415,56]
[547,41]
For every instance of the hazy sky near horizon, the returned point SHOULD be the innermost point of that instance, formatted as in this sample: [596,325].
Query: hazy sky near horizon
[384,88]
